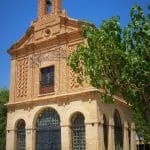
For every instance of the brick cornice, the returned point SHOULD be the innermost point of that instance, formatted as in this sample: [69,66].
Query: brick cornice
[59,99]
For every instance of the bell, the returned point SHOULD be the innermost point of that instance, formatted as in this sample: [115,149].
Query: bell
[48,2]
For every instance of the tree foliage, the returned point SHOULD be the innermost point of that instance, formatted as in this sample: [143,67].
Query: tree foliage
[4,96]
[117,60]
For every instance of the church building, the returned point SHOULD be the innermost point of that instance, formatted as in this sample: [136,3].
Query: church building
[48,109]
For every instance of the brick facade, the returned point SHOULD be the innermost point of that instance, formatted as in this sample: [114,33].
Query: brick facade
[48,42]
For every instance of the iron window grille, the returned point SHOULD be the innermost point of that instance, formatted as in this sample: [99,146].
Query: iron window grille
[48,132]
[21,135]
[78,132]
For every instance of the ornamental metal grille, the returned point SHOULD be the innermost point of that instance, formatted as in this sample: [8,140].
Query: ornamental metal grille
[48,132]
[21,135]
[118,131]
[78,132]
[105,131]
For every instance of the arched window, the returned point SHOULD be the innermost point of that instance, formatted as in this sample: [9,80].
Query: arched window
[118,134]
[105,131]
[78,132]
[48,132]
[21,135]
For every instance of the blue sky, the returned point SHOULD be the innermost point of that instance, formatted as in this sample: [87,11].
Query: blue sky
[16,17]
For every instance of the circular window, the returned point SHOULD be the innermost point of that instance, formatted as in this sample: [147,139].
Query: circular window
[47,32]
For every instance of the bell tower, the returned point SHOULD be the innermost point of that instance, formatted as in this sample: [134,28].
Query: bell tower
[46,7]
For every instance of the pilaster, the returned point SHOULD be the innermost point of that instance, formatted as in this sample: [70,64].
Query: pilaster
[13,80]
[133,137]
[126,137]
[65,137]
[111,143]
[101,134]
[92,142]
[10,139]
[30,138]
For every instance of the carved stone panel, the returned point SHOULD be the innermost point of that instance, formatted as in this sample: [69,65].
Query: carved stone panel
[22,73]
[53,55]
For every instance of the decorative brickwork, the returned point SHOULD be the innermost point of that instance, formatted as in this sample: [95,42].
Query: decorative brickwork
[72,76]
[73,80]
[22,73]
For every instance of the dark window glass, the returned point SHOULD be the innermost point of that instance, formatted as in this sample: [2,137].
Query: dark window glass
[129,135]
[47,80]
[48,132]
[21,135]
[78,132]
[118,134]
[105,131]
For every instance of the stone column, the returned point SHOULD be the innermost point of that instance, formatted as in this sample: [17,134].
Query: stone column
[29,139]
[91,132]
[111,141]
[133,137]
[101,136]
[125,137]
[10,139]
[65,137]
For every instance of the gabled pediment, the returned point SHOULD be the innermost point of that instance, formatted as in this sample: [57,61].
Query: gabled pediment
[42,31]
[25,40]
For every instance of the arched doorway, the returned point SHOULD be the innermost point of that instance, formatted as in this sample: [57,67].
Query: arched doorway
[48,131]
[78,132]
[21,135]
[118,134]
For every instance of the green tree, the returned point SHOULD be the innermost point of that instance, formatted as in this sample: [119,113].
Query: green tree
[117,60]
[4,96]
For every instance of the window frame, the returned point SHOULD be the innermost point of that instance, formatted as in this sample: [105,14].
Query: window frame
[50,87]
[77,126]
[48,121]
[21,135]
